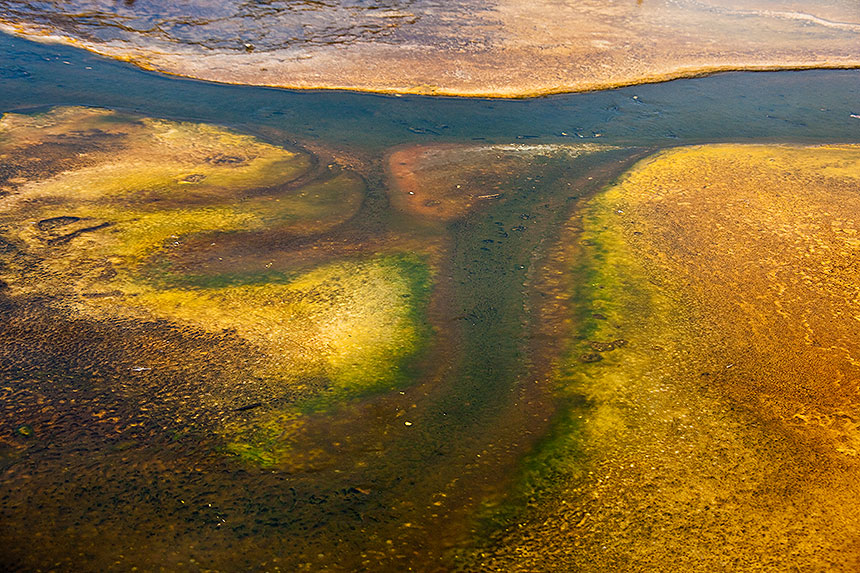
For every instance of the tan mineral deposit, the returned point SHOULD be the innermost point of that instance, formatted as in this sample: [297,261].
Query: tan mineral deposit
[497,48]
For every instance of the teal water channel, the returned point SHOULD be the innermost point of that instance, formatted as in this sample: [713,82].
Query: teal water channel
[389,496]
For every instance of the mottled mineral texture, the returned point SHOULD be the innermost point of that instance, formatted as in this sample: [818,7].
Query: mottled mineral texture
[505,48]
[113,219]
[723,435]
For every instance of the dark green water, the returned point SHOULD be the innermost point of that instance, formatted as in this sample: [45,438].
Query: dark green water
[396,499]
[803,106]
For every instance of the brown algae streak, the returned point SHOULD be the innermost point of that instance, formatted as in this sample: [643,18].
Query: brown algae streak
[455,48]
[101,237]
[722,434]
[447,182]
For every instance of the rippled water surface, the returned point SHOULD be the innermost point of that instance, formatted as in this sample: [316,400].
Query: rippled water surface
[255,329]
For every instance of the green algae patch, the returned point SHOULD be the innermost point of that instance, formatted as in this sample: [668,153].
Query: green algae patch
[703,402]
[620,317]
[115,227]
[347,322]
[319,204]
[112,193]
[335,333]
[155,160]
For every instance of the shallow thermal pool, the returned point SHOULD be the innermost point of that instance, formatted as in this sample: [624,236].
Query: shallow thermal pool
[256,329]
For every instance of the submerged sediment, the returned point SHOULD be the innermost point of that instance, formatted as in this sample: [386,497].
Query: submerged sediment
[291,362]
[131,219]
[251,346]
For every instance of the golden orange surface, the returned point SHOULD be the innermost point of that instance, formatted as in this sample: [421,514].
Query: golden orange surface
[722,435]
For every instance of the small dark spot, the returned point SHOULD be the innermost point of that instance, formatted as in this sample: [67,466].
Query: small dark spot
[66,238]
[108,272]
[620,342]
[590,357]
[222,159]
[14,73]
[56,222]
[598,316]
[25,431]
[248,407]
[432,203]
[125,445]
[108,294]
[579,400]
[6,246]
[194,178]
[602,346]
